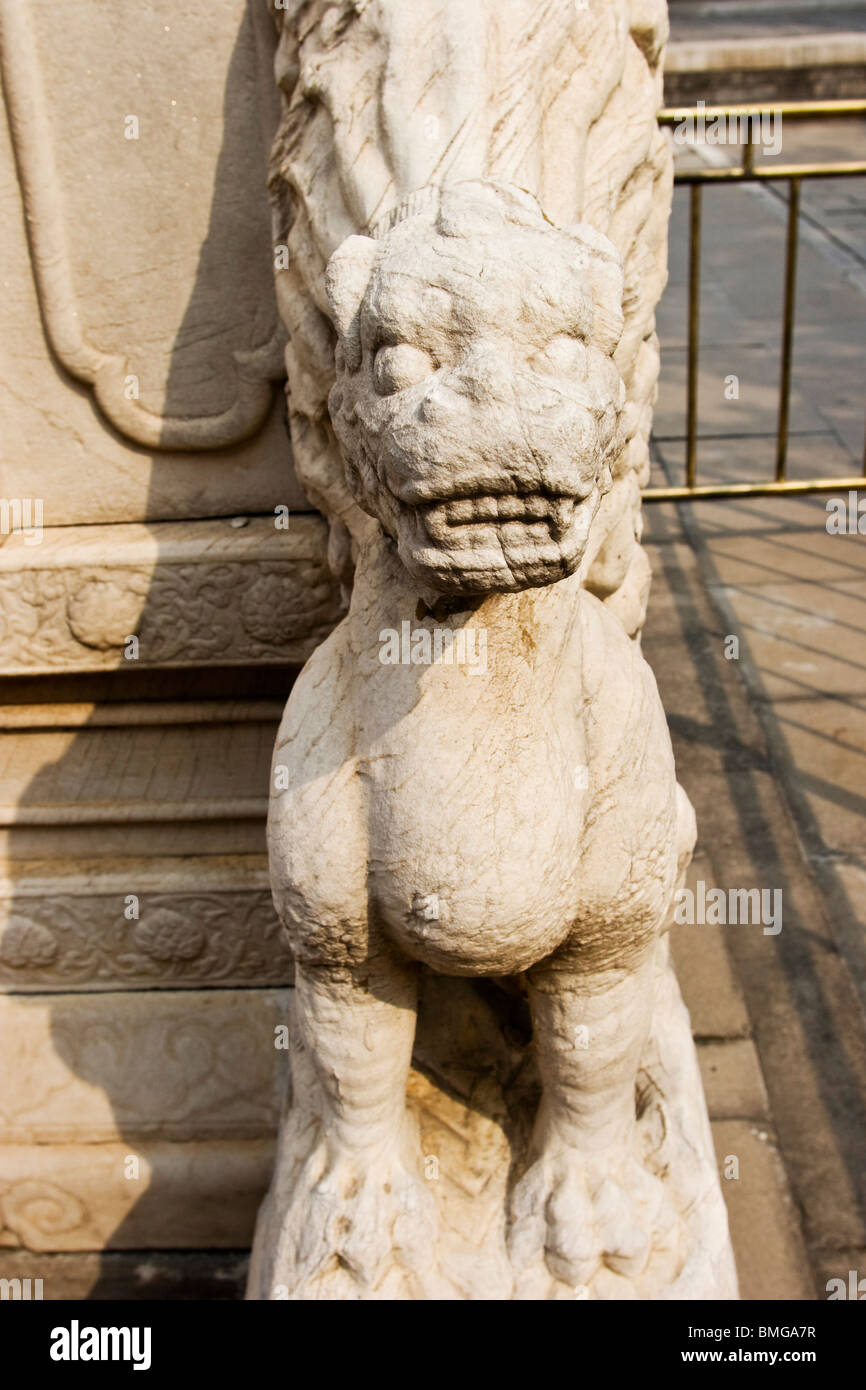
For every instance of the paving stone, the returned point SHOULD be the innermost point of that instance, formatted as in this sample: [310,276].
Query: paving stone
[826,743]
[800,987]
[781,555]
[135,1275]
[733,1084]
[768,1247]
[800,639]
[710,988]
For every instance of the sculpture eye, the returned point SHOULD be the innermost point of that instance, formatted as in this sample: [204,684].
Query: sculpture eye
[563,353]
[399,365]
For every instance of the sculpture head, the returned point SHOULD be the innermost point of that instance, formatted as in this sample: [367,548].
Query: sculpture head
[476,400]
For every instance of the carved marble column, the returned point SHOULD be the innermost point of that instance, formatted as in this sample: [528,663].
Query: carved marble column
[476,830]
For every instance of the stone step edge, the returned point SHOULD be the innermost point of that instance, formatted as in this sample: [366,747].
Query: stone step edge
[94,878]
[766,54]
[120,1195]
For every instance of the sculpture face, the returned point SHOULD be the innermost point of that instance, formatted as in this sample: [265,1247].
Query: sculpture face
[476,401]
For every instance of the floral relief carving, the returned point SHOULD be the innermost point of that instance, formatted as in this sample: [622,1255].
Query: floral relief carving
[179,939]
[26,944]
[182,614]
[168,935]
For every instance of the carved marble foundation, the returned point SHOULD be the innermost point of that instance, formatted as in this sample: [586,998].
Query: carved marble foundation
[495,1089]
[141,371]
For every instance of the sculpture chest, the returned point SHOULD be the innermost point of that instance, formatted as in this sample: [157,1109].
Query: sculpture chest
[476,794]
[479,816]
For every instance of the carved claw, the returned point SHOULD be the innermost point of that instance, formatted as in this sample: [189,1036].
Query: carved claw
[363,1213]
[581,1213]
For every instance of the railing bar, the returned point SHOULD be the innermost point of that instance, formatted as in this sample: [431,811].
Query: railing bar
[769,173]
[788,328]
[708,491]
[794,110]
[694,335]
[749,172]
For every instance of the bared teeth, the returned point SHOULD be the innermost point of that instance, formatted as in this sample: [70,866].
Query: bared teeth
[468,511]
[437,523]
[463,510]
[561,516]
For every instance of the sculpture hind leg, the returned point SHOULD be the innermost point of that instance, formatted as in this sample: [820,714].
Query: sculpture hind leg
[587,1203]
[348,1212]
[621,1195]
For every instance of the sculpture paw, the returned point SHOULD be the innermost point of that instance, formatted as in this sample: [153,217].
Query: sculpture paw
[580,1213]
[365,1212]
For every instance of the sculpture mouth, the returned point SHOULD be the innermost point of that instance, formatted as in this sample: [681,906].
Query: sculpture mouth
[534,510]
[495,542]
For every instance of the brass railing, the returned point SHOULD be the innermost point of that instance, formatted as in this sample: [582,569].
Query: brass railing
[747,171]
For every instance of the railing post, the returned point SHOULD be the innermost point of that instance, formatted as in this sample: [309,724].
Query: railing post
[788,328]
[749,156]
[694,334]
[752,172]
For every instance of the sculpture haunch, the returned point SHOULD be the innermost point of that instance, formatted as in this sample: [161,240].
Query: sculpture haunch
[513,820]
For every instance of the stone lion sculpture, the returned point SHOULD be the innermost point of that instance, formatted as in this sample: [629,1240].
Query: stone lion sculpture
[497,842]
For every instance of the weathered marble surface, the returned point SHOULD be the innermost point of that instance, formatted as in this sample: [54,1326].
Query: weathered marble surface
[382,101]
[141,368]
[167,1066]
[474,200]
[141,353]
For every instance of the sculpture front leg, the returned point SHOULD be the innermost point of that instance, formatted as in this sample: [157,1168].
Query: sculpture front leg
[348,1214]
[587,1206]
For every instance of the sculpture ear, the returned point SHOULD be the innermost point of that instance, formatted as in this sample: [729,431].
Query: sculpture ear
[604,269]
[346,280]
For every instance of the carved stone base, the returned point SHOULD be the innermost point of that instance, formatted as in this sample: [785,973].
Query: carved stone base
[473,1093]
[130,1195]
[196,593]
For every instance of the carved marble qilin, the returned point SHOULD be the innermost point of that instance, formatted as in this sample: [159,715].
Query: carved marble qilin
[474,197]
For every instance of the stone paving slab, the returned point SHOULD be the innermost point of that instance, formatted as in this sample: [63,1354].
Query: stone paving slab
[771,1260]
[800,638]
[711,990]
[756,556]
[800,988]
[733,1083]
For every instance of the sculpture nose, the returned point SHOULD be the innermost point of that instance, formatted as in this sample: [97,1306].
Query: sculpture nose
[484,374]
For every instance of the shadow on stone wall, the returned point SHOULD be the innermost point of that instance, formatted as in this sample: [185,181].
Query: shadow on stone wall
[98,1060]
